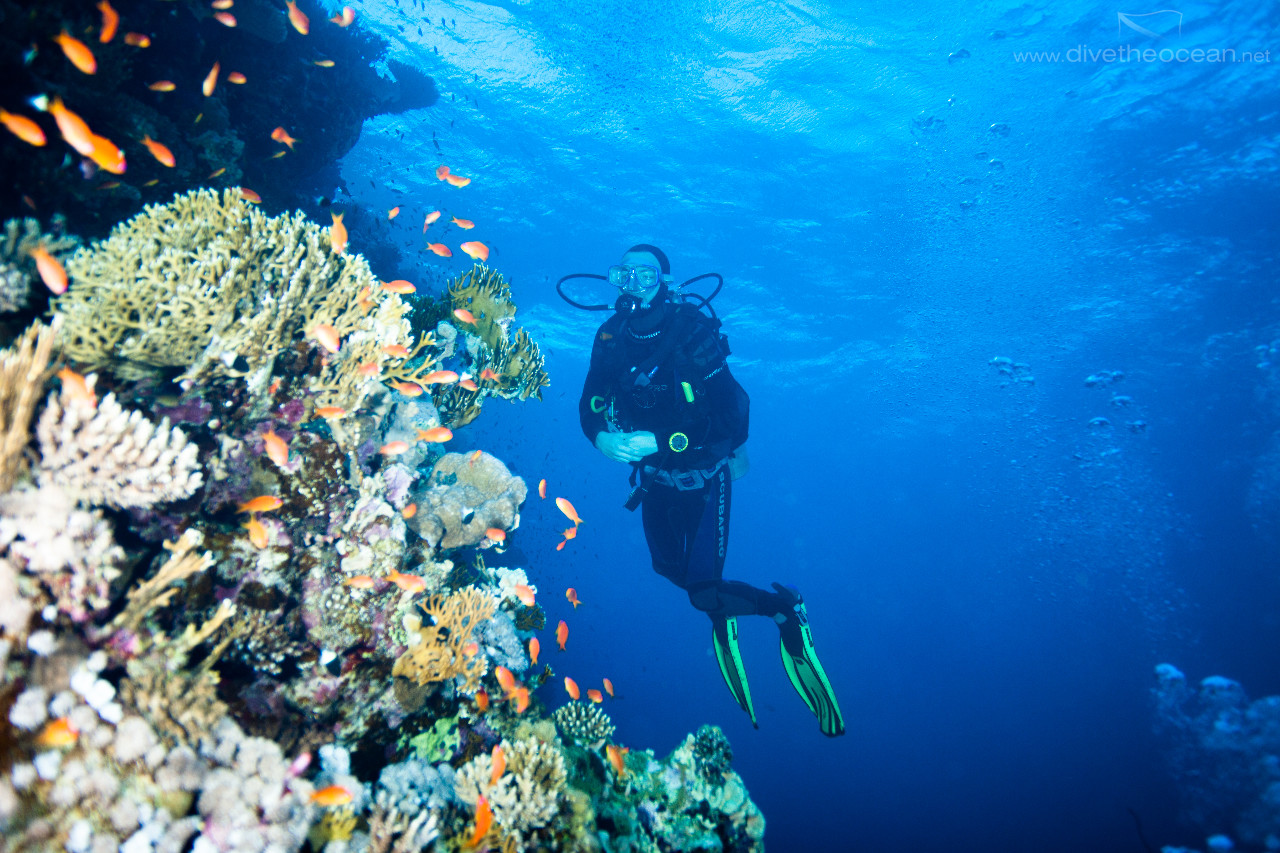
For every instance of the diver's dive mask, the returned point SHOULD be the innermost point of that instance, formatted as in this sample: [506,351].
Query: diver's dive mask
[634,279]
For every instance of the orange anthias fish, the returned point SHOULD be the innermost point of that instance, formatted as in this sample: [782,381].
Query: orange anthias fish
[52,273]
[463,223]
[110,22]
[464,315]
[571,532]
[409,389]
[499,765]
[210,80]
[77,388]
[440,249]
[442,171]
[262,503]
[276,448]
[608,687]
[393,212]
[249,195]
[237,78]
[257,533]
[571,595]
[409,583]
[595,696]
[107,156]
[488,375]
[222,4]
[58,733]
[571,687]
[435,434]
[524,592]
[327,336]
[542,488]
[281,135]
[567,509]
[441,377]
[369,369]
[23,128]
[325,63]
[78,52]
[399,286]
[225,18]
[431,217]
[396,350]
[158,151]
[338,234]
[468,385]
[330,412]
[74,129]
[137,39]
[409,511]
[394,448]
[478,251]
[360,582]
[334,795]
[562,634]
[475,457]
[346,18]
[615,758]
[484,819]
[482,700]
[300,21]
[521,698]
[560,545]
[534,648]
[471,649]
[162,86]
[497,534]
[505,679]
[457,180]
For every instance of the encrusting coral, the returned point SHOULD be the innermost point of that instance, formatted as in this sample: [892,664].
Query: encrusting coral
[438,651]
[23,370]
[210,284]
[105,455]
[463,498]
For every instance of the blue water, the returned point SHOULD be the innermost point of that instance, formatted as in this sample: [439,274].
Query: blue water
[894,201]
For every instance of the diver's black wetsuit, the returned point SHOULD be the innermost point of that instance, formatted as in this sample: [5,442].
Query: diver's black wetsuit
[686,511]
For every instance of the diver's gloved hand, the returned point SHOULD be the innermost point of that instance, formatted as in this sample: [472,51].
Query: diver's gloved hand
[627,446]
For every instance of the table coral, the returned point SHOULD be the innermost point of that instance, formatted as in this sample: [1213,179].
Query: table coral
[210,284]
[461,499]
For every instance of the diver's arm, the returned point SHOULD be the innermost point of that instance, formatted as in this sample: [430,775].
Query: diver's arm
[626,446]
[728,413]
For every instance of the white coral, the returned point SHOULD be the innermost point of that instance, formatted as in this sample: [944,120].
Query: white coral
[112,456]
[527,796]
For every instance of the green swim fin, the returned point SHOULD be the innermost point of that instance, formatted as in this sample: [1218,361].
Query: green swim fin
[724,637]
[800,660]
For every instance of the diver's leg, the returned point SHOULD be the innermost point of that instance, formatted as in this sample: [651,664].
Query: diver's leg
[709,532]
[800,660]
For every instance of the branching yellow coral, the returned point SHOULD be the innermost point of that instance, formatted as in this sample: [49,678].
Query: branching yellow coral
[23,370]
[210,284]
[438,652]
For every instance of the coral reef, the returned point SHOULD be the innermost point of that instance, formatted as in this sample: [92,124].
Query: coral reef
[105,455]
[1221,750]
[463,498]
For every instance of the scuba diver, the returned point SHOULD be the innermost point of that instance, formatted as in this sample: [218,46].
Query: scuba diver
[659,396]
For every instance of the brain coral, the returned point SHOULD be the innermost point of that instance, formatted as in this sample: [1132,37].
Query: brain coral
[461,499]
